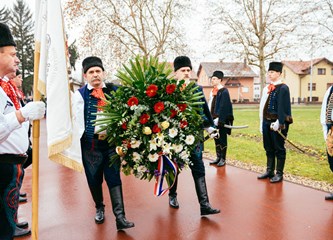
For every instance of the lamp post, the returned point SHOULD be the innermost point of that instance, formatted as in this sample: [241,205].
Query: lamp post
[311,77]
[314,34]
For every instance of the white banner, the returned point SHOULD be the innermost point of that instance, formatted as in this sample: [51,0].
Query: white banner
[53,83]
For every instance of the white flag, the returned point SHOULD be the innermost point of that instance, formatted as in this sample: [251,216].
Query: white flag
[53,82]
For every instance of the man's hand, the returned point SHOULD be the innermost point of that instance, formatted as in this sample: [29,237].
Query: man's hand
[33,110]
[213,132]
[275,125]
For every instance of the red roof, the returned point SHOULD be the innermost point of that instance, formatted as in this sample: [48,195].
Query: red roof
[303,67]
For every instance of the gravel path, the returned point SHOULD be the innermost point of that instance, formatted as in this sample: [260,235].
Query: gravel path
[323,186]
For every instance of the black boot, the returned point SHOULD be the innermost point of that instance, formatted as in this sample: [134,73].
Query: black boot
[173,202]
[218,154]
[329,197]
[278,177]
[201,189]
[270,169]
[116,194]
[97,194]
[20,232]
[221,163]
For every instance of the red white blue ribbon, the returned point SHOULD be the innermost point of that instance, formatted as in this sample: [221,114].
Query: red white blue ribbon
[164,161]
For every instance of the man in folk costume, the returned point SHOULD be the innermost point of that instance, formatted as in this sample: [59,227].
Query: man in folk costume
[96,152]
[182,70]
[221,110]
[14,141]
[326,119]
[275,117]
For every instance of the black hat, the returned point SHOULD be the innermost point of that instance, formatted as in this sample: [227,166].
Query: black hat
[275,66]
[6,38]
[91,62]
[218,74]
[181,61]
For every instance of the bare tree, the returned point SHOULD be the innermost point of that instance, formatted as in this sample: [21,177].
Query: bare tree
[117,29]
[4,14]
[324,18]
[256,28]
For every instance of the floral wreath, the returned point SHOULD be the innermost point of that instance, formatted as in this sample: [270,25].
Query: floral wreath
[153,120]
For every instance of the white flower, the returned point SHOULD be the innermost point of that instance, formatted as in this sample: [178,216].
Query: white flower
[140,171]
[173,132]
[184,155]
[141,168]
[189,140]
[136,156]
[135,143]
[153,144]
[177,148]
[160,136]
[153,157]
[167,148]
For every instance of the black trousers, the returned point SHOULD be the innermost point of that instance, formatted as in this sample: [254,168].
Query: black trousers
[10,183]
[96,161]
[273,142]
[222,140]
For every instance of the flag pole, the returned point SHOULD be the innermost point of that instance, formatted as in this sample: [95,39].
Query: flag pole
[35,152]
[35,138]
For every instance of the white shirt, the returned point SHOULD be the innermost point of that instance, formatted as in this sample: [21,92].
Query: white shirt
[78,107]
[263,102]
[13,135]
[219,86]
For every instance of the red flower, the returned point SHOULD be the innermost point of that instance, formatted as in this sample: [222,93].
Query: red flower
[170,88]
[159,107]
[182,106]
[126,143]
[132,101]
[151,90]
[156,129]
[183,124]
[144,118]
[124,125]
[173,113]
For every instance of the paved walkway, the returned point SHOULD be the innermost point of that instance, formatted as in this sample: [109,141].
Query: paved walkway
[250,209]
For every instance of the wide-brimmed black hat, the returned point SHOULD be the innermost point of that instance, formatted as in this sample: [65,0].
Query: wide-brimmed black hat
[91,62]
[181,61]
[218,74]
[6,38]
[275,66]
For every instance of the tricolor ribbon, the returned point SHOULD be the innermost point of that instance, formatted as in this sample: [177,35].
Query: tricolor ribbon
[164,161]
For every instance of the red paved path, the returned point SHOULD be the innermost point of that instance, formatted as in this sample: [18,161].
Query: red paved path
[250,209]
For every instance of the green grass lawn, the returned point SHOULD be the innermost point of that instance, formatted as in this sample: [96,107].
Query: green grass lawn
[306,132]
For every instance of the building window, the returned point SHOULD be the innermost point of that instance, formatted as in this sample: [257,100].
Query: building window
[321,71]
[245,89]
[313,87]
[331,71]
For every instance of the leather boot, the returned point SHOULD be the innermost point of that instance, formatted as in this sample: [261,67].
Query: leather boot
[22,224]
[270,169]
[116,194]
[97,194]
[19,232]
[221,163]
[218,154]
[173,202]
[201,189]
[278,177]
[329,197]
